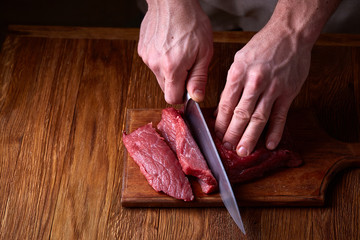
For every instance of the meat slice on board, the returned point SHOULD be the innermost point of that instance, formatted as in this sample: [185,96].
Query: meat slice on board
[173,128]
[258,163]
[158,162]
[261,161]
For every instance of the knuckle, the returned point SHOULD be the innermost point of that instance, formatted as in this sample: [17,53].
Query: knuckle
[279,118]
[232,133]
[170,81]
[152,63]
[198,76]
[168,65]
[225,109]
[241,114]
[249,140]
[256,73]
[239,56]
[256,80]
[232,136]
[259,118]
[234,74]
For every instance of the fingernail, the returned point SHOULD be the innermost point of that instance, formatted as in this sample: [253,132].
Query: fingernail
[228,146]
[198,95]
[270,145]
[242,152]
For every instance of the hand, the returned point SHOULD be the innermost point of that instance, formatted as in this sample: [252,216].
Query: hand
[262,82]
[176,44]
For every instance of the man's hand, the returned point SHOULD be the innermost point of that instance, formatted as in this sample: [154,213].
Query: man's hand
[176,44]
[262,82]
[267,74]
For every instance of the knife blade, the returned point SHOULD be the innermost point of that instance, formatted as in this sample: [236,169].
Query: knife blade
[196,122]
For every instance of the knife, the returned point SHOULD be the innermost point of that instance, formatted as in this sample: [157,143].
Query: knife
[196,122]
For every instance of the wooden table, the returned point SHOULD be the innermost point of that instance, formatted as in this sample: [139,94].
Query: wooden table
[64,96]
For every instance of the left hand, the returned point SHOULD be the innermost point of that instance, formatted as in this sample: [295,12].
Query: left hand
[262,82]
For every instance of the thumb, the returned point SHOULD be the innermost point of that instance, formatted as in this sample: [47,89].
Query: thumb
[197,80]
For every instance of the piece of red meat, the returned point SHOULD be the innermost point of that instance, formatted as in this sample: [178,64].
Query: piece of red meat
[158,162]
[262,160]
[173,128]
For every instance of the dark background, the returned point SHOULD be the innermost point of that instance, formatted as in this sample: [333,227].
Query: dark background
[112,13]
[93,13]
[89,13]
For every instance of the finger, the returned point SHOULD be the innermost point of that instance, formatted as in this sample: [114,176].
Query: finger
[174,86]
[277,123]
[154,67]
[255,127]
[228,101]
[175,75]
[175,71]
[174,89]
[241,117]
[198,75]
[161,81]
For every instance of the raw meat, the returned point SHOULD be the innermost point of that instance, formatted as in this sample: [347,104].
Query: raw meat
[174,130]
[262,160]
[158,162]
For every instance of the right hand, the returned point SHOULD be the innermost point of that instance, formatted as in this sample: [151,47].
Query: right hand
[176,44]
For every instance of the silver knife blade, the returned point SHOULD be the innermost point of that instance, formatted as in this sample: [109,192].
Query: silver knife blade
[196,122]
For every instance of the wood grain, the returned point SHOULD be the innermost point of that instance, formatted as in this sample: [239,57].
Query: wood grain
[64,95]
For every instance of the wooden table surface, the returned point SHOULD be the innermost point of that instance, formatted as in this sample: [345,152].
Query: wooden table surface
[64,94]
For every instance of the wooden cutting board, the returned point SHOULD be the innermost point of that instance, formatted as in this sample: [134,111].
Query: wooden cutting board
[303,186]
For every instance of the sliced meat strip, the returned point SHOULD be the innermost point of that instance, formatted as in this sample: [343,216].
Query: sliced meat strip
[157,162]
[172,126]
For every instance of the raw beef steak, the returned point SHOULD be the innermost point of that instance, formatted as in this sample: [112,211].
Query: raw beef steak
[158,162]
[173,128]
[262,160]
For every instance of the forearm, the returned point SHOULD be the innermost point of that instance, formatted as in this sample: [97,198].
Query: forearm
[176,16]
[305,19]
